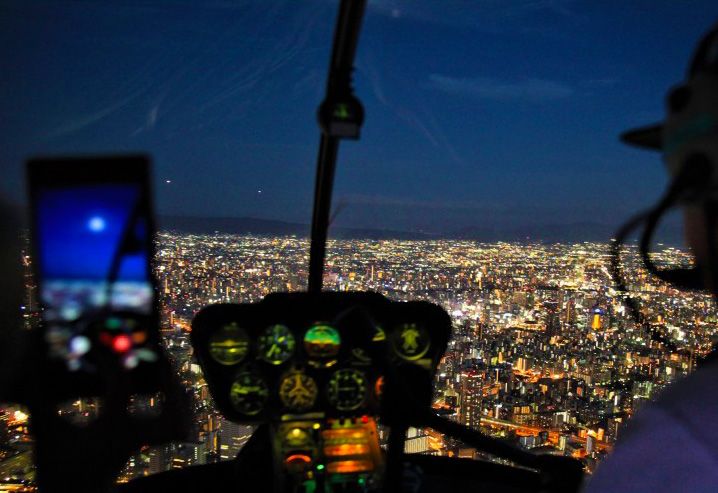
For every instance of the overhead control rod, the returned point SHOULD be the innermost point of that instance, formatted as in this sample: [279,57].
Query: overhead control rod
[340,117]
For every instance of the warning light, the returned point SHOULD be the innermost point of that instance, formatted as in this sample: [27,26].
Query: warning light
[365,419]
[139,337]
[295,459]
[346,449]
[350,466]
[122,343]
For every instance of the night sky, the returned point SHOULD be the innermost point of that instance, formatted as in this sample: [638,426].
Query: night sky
[478,113]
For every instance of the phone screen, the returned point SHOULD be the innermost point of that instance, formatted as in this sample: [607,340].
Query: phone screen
[89,236]
[92,235]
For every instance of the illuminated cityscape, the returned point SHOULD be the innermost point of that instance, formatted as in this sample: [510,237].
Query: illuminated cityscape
[543,354]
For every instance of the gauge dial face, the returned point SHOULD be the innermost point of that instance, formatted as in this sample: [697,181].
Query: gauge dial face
[248,393]
[322,341]
[229,345]
[298,391]
[276,344]
[410,341]
[347,389]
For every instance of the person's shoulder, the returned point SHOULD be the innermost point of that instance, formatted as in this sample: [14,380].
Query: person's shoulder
[693,399]
[669,444]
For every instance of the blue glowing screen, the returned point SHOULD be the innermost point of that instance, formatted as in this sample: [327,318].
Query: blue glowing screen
[79,231]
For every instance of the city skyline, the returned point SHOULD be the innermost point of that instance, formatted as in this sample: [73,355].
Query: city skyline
[543,352]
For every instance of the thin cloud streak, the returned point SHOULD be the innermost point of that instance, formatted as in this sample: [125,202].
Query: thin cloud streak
[488,88]
[81,122]
[422,122]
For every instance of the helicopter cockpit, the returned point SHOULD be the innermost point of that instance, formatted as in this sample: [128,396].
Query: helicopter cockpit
[329,380]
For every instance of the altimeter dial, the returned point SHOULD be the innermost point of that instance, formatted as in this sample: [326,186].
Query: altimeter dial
[248,393]
[347,389]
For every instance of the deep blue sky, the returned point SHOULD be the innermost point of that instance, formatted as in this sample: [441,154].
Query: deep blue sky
[478,111]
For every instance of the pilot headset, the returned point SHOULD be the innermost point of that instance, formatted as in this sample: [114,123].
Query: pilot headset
[688,141]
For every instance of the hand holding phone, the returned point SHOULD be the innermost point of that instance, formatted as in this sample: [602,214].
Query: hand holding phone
[92,235]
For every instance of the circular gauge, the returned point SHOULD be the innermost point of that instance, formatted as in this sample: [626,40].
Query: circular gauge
[276,344]
[347,389]
[248,393]
[410,341]
[229,345]
[322,341]
[298,391]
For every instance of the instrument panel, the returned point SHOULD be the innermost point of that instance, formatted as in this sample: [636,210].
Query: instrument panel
[314,356]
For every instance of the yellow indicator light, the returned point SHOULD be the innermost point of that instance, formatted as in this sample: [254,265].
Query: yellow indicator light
[296,437]
[316,426]
[346,449]
[349,466]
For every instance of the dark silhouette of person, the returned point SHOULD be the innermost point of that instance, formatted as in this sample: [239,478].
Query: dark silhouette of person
[670,445]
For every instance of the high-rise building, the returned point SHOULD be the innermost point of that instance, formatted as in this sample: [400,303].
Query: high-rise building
[471,383]
[232,437]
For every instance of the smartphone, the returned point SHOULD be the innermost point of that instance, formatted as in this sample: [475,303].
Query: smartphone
[92,231]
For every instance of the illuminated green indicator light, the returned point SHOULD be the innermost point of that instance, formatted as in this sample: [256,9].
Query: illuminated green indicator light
[322,341]
[310,486]
[341,111]
[362,481]
[113,323]
[320,467]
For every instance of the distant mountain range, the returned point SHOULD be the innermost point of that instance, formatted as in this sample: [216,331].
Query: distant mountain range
[547,233]
[271,227]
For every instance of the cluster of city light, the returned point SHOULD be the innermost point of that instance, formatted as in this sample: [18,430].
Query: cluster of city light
[544,352]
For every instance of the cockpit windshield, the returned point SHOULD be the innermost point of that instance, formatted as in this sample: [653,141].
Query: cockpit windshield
[488,179]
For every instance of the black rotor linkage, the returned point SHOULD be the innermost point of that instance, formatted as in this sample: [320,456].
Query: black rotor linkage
[340,117]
